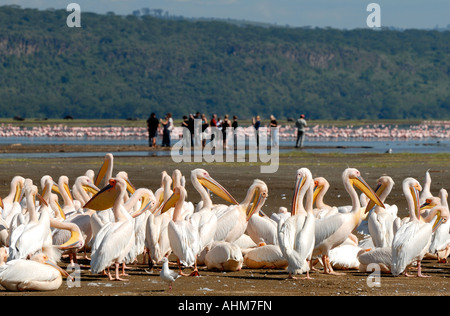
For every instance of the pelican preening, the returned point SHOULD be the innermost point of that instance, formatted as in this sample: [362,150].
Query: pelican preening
[119,222]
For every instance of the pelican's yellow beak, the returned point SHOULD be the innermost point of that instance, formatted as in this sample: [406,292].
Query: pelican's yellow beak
[379,189]
[299,182]
[364,187]
[415,194]
[217,189]
[18,195]
[90,188]
[104,199]
[67,189]
[171,201]
[60,210]
[102,172]
[258,202]
[438,221]
[1,203]
[146,203]
[427,205]
[63,272]
[130,188]
[75,241]
[317,189]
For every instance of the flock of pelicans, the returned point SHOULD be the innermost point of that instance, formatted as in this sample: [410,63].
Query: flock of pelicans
[118,223]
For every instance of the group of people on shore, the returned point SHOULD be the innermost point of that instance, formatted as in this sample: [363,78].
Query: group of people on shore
[153,125]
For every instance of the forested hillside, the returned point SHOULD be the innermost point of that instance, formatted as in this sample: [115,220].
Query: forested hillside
[127,66]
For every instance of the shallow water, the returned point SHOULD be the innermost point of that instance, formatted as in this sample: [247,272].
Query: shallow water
[354,146]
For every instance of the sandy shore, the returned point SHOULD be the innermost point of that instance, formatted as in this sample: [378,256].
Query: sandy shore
[237,177]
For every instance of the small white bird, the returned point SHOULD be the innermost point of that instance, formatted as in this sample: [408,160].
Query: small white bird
[166,274]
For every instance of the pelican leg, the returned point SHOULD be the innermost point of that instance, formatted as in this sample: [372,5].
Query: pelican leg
[329,269]
[180,272]
[307,272]
[419,270]
[118,278]
[195,272]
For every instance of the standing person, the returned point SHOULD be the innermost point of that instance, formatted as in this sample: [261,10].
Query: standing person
[256,124]
[205,125]
[167,128]
[300,124]
[274,130]
[213,124]
[235,122]
[225,123]
[185,126]
[152,126]
[235,125]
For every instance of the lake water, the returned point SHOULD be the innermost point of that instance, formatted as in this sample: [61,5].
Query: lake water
[311,146]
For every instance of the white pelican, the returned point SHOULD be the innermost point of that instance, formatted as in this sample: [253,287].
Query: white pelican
[115,239]
[233,223]
[11,203]
[345,256]
[224,256]
[440,242]
[205,218]
[35,235]
[380,220]
[262,229]
[69,207]
[156,236]
[47,185]
[37,274]
[296,235]
[166,274]
[81,219]
[183,235]
[30,237]
[322,210]
[412,240]
[265,257]
[334,230]
[382,257]
[321,186]
[144,200]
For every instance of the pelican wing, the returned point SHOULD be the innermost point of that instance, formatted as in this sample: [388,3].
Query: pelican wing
[410,243]
[184,241]
[116,238]
[26,271]
[326,227]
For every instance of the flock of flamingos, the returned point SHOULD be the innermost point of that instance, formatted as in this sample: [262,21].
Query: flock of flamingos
[118,223]
[427,129]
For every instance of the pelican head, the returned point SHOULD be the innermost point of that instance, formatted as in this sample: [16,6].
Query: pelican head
[42,258]
[303,181]
[260,193]
[106,197]
[208,182]
[442,214]
[383,183]
[412,187]
[355,179]
[320,183]
[148,201]
[430,203]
